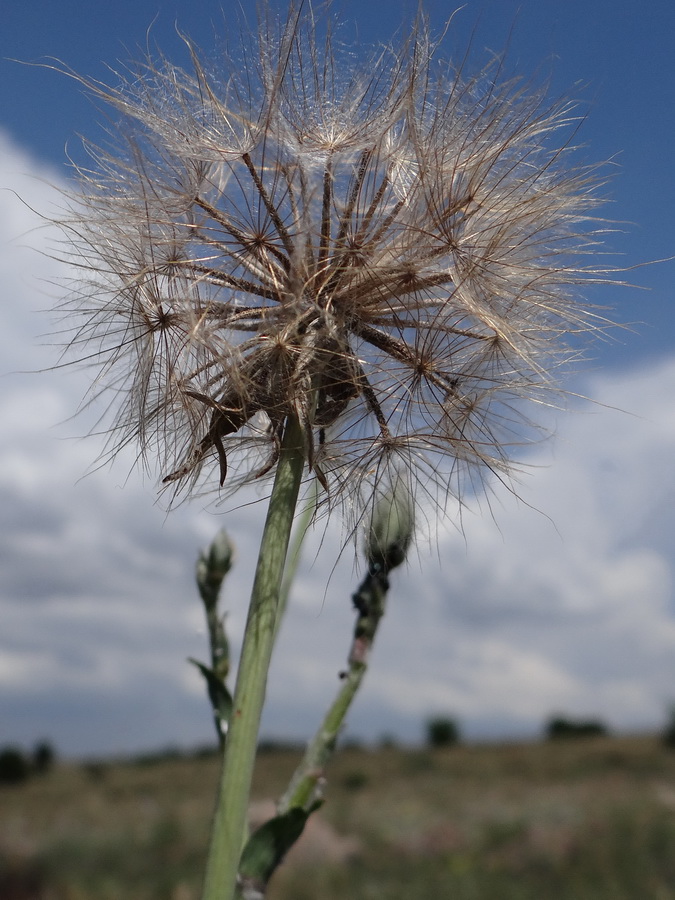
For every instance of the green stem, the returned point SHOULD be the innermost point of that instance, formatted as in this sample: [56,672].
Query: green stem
[305,785]
[295,548]
[229,826]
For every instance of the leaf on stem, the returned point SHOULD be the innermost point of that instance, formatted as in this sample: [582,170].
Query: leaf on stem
[220,697]
[268,845]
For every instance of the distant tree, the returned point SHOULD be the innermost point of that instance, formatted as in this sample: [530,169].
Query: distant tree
[14,767]
[43,757]
[560,727]
[668,734]
[442,732]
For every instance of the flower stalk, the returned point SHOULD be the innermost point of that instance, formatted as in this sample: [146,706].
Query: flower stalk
[212,567]
[230,821]
[389,538]
[306,786]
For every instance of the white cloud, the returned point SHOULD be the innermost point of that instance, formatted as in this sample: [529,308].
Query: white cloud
[580,605]
[563,602]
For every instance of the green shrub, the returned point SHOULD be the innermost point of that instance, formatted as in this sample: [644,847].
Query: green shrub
[560,727]
[668,734]
[442,732]
[43,757]
[14,767]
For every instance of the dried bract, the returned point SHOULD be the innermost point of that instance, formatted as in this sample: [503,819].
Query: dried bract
[384,248]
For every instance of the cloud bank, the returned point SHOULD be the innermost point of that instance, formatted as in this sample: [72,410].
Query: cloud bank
[558,600]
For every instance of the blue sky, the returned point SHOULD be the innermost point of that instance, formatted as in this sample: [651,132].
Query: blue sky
[615,57]
[562,602]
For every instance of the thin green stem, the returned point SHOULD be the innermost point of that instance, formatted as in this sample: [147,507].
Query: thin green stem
[305,786]
[229,826]
[295,548]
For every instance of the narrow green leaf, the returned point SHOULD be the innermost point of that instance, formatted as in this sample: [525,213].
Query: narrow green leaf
[268,845]
[220,697]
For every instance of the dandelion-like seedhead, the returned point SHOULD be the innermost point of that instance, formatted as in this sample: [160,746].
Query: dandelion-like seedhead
[384,248]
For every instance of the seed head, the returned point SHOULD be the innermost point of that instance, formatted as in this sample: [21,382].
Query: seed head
[384,248]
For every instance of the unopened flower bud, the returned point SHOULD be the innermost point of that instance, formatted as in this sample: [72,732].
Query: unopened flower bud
[391,530]
[213,565]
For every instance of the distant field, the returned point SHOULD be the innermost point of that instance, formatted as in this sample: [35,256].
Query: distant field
[586,819]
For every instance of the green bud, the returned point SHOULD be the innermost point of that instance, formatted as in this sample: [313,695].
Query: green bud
[391,529]
[213,565]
